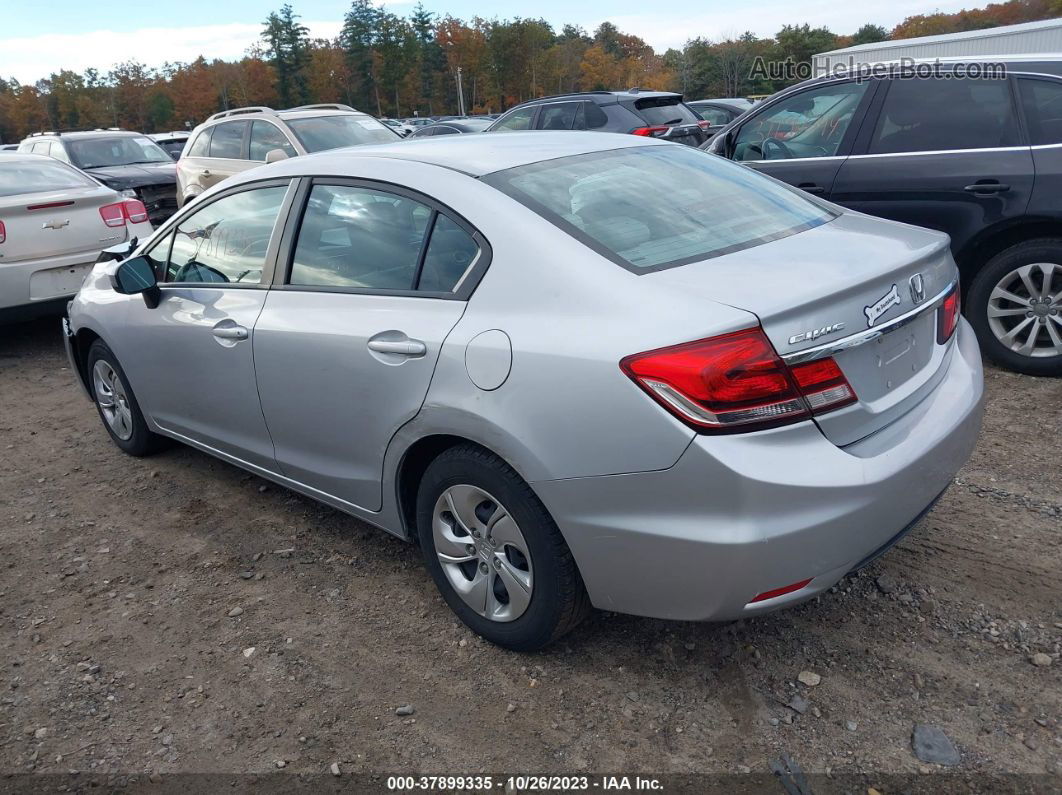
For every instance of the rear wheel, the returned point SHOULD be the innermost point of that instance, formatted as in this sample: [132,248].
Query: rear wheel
[495,553]
[1015,306]
[116,403]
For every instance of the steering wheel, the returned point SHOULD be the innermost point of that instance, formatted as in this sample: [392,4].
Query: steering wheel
[774,143]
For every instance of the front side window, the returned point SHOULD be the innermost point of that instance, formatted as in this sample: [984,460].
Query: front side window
[120,150]
[226,241]
[227,140]
[361,238]
[319,133]
[809,124]
[266,137]
[1043,110]
[653,207]
[33,176]
[942,114]
[517,120]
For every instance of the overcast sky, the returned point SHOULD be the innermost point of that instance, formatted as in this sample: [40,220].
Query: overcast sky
[45,36]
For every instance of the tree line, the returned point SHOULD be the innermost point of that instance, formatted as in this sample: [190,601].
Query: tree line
[392,65]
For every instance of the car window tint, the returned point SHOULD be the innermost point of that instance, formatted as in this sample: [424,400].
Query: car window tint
[266,137]
[445,129]
[593,117]
[226,241]
[809,124]
[319,133]
[358,237]
[517,120]
[713,115]
[659,206]
[451,252]
[227,140]
[560,116]
[665,110]
[201,145]
[1043,110]
[940,114]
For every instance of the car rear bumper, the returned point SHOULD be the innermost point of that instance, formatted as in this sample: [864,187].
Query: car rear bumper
[44,282]
[741,515]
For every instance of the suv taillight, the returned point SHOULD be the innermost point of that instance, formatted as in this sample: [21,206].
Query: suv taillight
[654,131]
[948,316]
[736,382]
[3,232]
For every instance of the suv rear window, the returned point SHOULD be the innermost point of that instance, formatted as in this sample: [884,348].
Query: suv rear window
[318,133]
[665,110]
[653,207]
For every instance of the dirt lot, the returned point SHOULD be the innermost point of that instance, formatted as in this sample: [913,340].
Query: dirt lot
[152,621]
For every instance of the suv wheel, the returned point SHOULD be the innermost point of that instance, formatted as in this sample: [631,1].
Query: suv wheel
[1016,307]
[495,553]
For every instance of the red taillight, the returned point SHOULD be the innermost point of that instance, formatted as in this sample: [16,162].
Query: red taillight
[736,382]
[704,125]
[3,232]
[113,214]
[948,316]
[652,132]
[134,210]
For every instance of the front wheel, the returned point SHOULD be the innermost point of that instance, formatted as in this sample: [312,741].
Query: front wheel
[116,403]
[1015,306]
[495,553]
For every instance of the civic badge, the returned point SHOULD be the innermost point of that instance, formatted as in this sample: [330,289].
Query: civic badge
[881,306]
[918,288]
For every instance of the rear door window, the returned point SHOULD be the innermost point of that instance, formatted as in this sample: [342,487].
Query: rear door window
[941,114]
[558,116]
[1043,110]
[227,140]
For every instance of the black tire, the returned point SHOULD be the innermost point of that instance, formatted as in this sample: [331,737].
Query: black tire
[558,598]
[142,441]
[1030,252]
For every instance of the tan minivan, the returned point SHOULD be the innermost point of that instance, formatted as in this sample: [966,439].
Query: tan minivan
[236,140]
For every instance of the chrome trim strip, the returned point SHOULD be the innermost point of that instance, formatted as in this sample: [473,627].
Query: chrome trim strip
[871,334]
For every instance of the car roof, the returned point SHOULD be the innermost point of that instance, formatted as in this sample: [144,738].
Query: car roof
[600,97]
[475,155]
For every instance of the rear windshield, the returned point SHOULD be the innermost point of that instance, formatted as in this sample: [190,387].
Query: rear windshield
[318,133]
[653,207]
[665,110]
[121,150]
[20,176]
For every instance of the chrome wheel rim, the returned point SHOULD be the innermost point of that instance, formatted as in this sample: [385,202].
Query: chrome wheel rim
[483,553]
[112,400]
[1025,310]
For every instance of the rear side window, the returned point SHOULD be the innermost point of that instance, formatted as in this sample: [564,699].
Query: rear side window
[366,239]
[1043,110]
[266,137]
[560,116]
[201,146]
[654,207]
[665,110]
[19,176]
[227,140]
[942,114]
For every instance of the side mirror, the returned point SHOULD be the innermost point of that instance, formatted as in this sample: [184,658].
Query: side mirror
[117,252]
[275,155]
[135,276]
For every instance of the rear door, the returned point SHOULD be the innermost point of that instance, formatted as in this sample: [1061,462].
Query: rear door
[804,137]
[346,345]
[227,153]
[942,153]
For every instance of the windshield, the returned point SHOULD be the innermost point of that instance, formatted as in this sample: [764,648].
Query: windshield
[21,176]
[318,133]
[654,207]
[120,150]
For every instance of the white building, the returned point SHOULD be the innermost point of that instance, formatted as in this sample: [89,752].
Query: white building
[1029,38]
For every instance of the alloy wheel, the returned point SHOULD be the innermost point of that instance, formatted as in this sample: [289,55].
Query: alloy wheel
[112,400]
[483,553]
[1025,310]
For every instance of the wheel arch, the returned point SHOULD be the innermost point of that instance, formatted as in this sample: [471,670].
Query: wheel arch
[81,342]
[995,239]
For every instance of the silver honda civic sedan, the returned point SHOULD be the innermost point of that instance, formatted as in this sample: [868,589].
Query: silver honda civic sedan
[579,369]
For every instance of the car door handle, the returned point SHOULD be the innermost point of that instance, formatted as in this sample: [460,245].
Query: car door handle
[399,347]
[230,332]
[206,172]
[811,187]
[987,187]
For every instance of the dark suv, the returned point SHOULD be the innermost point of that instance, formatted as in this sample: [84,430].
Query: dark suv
[980,159]
[657,114]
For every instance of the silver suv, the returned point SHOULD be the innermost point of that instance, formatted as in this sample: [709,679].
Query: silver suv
[236,140]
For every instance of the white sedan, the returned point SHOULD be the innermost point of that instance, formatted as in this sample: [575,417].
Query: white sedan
[54,221]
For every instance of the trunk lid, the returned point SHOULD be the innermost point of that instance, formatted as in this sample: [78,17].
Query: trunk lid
[852,276]
[57,223]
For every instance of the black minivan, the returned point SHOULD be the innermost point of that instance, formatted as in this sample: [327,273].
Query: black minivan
[977,157]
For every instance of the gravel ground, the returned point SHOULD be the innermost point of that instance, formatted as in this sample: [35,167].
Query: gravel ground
[175,614]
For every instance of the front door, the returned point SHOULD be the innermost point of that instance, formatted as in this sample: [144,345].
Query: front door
[190,358]
[346,345]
